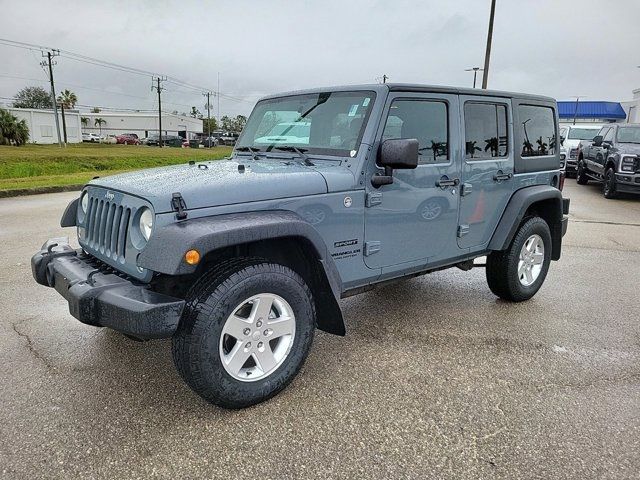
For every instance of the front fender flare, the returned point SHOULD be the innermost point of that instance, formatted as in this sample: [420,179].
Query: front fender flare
[165,250]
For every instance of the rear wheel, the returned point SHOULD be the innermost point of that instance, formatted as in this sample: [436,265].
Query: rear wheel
[517,273]
[246,331]
[609,184]
[581,175]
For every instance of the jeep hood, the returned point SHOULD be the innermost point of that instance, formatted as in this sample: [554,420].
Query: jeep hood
[225,182]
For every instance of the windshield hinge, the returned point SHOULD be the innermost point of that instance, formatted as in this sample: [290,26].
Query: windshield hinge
[178,205]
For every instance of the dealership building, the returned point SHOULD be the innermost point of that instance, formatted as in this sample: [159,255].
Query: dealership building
[42,124]
[142,124]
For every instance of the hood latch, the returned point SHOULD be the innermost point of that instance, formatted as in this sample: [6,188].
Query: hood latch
[178,205]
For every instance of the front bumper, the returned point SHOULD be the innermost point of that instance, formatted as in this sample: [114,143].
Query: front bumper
[103,299]
[628,182]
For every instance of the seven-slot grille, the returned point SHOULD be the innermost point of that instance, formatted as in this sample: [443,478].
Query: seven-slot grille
[107,226]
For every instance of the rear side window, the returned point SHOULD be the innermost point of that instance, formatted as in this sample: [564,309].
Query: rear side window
[485,130]
[425,120]
[538,130]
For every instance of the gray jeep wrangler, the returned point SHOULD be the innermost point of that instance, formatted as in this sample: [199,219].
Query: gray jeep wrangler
[328,193]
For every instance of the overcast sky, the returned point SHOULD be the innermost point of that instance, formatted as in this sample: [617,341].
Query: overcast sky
[558,48]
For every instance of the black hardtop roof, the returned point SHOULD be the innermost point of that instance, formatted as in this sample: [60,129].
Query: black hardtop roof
[410,87]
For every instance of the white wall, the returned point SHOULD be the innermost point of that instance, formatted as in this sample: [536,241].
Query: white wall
[142,124]
[42,125]
[632,107]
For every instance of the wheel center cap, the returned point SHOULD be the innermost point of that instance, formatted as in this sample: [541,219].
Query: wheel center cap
[256,335]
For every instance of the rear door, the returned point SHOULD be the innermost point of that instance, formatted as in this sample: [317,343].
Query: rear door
[487,168]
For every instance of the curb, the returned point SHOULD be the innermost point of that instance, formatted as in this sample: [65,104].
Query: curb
[39,190]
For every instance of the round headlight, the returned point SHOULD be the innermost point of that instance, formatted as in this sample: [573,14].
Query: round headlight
[84,202]
[146,223]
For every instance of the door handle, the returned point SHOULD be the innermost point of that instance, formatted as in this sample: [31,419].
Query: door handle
[446,182]
[499,177]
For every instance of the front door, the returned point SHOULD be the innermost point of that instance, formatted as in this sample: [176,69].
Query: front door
[413,220]
[487,169]
[595,153]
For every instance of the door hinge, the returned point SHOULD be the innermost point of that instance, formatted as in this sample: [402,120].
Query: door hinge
[371,247]
[373,198]
[179,206]
[465,189]
[463,230]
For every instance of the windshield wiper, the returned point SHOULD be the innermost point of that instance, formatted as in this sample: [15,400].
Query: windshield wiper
[299,151]
[253,151]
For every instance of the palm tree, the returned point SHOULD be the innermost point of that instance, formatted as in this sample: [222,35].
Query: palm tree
[542,147]
[471,148]
[438,148]
[12,130]
[68,99]
[84,121]
[492,145]
[99,122]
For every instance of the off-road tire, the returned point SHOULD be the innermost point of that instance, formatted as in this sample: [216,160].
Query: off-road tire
[581,175]
[210,302]
[609,184]
[502,267]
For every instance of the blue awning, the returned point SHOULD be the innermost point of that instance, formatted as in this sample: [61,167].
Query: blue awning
[602,110]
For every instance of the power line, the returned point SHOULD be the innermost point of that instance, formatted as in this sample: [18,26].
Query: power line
[114,66]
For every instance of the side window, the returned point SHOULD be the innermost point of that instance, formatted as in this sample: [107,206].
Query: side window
[537,130]
[425,120]
[609,136]
[485,131]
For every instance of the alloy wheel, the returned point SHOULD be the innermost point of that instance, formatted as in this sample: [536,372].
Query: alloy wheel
[257,337]
[531,260]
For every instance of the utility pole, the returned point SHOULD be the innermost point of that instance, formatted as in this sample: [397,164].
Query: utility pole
[487,53]
[49,63]
[475,71]
[159,88]
[208,95]
[64,123]
[218,97]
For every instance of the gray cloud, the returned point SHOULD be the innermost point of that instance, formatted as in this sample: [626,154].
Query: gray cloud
[574,47]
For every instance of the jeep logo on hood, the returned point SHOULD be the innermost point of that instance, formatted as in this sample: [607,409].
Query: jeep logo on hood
[109,196]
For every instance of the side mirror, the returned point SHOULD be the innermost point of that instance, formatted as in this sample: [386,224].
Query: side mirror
[399,153]
[597,140]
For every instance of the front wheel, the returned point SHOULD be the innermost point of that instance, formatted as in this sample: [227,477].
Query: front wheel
[581,175]
[245,333]
[609,184]
[517,273]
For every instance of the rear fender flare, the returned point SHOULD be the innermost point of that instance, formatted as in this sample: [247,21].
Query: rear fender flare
[550,202]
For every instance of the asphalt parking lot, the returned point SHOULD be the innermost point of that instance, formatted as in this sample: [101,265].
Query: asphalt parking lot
[436,378]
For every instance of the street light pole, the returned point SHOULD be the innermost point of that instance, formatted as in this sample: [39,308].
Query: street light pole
[575,112]
[487,53]
[475,71]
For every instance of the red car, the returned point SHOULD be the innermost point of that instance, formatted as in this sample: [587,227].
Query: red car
[128,139]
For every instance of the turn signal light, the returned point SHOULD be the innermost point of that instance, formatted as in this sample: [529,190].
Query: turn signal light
[192,257]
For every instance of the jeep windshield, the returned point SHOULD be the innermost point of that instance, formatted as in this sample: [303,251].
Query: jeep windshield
[629,134]
[326,123]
